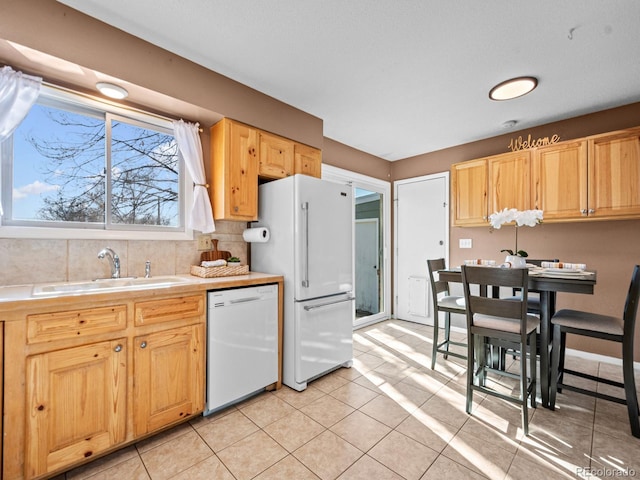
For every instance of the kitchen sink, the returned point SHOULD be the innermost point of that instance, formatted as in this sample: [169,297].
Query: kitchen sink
[107,284]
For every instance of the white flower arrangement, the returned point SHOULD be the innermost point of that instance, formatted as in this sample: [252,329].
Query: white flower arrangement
[530,218]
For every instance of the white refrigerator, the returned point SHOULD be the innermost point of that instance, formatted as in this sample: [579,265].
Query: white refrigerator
[311,228]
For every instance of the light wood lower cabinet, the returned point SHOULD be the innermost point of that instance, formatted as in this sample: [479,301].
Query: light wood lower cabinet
[169,378]
[87,377]
[76,404]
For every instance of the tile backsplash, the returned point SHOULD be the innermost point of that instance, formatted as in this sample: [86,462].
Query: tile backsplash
[26,260]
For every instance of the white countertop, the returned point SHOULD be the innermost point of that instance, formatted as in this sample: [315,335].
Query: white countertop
[21,293]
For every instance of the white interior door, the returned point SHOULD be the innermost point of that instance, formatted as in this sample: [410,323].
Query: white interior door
[366,264]
[422,232]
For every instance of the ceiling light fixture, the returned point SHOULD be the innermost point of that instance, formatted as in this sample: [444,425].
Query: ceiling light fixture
[111,90]
[514,88]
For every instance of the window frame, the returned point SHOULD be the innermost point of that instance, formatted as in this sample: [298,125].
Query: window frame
[88,105]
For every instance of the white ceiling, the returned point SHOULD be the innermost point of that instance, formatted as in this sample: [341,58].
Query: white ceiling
[398,78]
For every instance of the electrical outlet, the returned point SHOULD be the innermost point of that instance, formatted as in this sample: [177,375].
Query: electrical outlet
[465,243]
[204,242]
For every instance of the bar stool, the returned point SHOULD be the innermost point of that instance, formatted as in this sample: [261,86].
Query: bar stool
[444,302]
[615,329]
[506,321]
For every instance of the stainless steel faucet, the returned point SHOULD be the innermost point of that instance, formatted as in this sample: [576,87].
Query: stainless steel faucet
[147,269]
[114,261]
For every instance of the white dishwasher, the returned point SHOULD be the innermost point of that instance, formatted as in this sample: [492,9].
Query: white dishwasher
[242,343]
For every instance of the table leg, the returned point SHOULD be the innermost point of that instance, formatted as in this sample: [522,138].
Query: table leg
[545,320]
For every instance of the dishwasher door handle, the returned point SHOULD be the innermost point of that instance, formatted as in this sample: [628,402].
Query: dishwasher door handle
[244,300]
[326,304]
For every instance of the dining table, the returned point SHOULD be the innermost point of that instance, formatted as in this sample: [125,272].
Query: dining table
[547,282]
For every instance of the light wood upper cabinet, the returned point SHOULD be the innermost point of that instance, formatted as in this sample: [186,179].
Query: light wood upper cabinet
[560,180]
[597,177]
[240,154]
[76,404]
[592,178]
[509,181]
[308,160]
[234,157]
[486,185]
[170,376]
[276,156]
[469,182]
[614,175]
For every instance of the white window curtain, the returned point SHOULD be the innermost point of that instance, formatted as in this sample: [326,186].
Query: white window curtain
[188,139]
[18,93]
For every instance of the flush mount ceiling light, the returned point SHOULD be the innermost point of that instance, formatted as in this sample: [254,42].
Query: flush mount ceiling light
[111,90]
[514,88]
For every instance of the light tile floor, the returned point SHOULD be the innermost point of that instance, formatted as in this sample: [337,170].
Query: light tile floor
[388,417]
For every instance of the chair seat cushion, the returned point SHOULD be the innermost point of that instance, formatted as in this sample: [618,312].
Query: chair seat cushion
[504,324]
[452,301]
[588,321]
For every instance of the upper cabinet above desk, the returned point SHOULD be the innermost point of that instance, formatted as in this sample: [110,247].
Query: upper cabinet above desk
[614,175]
[486,185]
[592,178]
[240,155]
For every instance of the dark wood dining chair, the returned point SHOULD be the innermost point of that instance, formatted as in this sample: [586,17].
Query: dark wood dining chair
[444,302]
[501,320]
[613,328]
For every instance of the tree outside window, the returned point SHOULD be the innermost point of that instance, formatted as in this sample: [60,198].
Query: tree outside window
[72,164]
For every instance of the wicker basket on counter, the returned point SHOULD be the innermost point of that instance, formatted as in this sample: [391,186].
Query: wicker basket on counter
[211,272]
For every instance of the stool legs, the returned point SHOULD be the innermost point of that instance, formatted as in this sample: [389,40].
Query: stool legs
[630,387]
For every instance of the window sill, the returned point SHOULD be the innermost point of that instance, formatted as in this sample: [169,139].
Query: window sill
[89,234]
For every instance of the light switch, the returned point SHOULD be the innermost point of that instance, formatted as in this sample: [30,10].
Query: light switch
[465,243]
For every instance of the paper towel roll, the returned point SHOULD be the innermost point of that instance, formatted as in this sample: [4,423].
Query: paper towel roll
[256,235]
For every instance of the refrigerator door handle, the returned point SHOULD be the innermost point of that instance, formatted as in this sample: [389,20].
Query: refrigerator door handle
[305,255]
[326,304]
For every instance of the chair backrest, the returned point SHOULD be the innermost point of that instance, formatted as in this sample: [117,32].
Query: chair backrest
[437,286]
[631,304]
[495,277]
[440,286]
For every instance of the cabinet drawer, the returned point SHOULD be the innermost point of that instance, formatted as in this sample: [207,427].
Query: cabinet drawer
[166,310]
[45,327]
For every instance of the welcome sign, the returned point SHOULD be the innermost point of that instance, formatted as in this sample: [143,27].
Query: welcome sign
[528,142]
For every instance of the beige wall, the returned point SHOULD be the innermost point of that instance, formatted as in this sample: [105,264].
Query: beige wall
[46,38]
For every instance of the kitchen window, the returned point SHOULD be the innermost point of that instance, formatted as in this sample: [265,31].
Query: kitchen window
[80,164]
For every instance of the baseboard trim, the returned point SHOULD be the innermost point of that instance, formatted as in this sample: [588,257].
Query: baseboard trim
[598,357]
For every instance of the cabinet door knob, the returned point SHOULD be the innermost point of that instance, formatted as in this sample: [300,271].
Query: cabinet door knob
[118,348]
[143,344]
[583,211]
[591,211]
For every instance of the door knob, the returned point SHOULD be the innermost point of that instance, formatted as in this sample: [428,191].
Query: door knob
[143,344]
